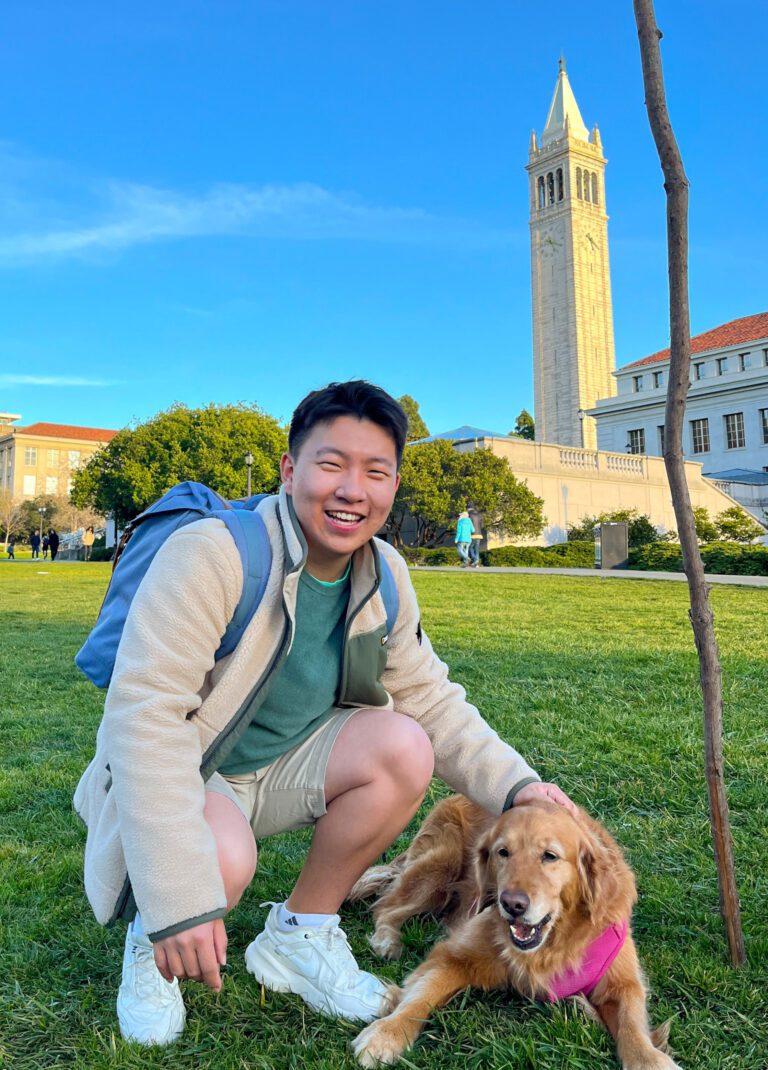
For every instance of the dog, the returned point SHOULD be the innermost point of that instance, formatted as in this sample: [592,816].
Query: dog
[536,900]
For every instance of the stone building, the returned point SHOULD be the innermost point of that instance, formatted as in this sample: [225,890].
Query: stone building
[573,350]
[41,458]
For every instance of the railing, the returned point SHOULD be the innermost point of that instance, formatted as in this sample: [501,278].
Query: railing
[618,462]
[578,458]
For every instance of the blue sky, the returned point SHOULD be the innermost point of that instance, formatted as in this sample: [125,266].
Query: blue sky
[244,200]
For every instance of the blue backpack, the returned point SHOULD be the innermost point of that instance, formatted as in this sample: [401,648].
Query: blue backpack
[141,540]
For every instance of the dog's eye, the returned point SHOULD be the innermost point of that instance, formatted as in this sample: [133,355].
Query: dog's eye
[549,856]
[503,852]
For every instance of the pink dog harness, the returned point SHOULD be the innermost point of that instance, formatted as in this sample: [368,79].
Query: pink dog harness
[593,967]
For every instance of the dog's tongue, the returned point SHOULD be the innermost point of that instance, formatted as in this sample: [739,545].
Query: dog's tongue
[522,931]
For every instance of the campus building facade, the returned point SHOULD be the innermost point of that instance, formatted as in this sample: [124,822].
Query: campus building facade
[41,459]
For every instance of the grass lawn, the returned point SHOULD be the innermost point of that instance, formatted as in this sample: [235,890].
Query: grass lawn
[596,683]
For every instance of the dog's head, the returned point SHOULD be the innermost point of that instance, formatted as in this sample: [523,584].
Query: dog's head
[538,864]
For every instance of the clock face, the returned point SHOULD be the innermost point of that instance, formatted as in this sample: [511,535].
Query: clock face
[550,242]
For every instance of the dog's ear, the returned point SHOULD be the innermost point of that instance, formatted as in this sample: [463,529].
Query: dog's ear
[606,884]
[485,887]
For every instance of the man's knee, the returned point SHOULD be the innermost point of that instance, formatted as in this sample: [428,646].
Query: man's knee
[408,754]
[235,845]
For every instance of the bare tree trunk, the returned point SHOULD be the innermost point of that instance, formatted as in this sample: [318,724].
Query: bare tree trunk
[702,619]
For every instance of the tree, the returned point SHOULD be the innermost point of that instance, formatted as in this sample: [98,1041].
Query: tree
[59,513]
[705,527]
[524,426]
[640,529]
[737,525]
[208,445]
[416,426]
[10,514]
[437,482]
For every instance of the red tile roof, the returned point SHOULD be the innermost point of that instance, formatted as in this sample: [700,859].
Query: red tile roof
[97,434]
[736,333]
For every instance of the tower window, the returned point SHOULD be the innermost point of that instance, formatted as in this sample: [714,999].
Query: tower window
[595,199]
[551,188]
[560,190]
[579,193]
[542,197]
[586,185]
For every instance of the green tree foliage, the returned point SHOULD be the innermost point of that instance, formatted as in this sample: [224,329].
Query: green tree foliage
[524,426]
[208,445]
[416,426]
[706,530]
[437,482]
[737,525]
[640,530]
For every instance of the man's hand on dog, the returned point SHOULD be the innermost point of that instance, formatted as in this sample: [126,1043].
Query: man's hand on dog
[548,792]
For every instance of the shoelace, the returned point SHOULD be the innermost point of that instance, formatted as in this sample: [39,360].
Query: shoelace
[148,982]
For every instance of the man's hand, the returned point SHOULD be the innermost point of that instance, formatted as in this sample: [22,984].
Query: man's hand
[548,792]
[195,953]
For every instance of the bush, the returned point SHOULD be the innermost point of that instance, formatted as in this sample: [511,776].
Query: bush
[640,530]
[561,555]
[102,553]
[723,558]
[440,555]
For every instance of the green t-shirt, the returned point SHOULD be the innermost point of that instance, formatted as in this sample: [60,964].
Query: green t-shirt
[305,691]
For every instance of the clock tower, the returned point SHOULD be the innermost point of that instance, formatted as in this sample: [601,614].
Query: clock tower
[573,353]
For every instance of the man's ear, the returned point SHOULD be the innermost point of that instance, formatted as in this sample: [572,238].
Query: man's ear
[485,885]
[286,472]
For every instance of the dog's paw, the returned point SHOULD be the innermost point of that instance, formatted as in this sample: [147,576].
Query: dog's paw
[380,1043]
[386,942]
[655,1060]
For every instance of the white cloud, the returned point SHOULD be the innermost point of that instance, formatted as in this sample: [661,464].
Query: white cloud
[53,380]
[67,221]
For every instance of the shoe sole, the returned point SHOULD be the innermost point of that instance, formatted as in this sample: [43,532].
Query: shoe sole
[269,971]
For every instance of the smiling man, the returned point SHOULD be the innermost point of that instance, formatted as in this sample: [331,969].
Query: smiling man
[332,711]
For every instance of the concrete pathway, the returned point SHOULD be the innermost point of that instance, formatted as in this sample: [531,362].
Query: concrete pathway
[608,574]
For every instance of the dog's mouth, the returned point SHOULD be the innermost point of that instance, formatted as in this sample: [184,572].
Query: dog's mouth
[527,937]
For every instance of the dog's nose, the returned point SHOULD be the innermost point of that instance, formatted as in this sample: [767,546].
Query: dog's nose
[515,903]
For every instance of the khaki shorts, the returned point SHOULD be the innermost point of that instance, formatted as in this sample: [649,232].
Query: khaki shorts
[289,793]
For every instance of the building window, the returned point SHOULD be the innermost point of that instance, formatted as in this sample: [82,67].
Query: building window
[722,365]
[661,439]
[594,190]
[698,370]
[579,193]
[734,430]
[53,458]
[745,361]
[51,485]
[637,440]
[73,458]
[560,187]
[542,195]
[765,357]
[586,185]
[700,435]
[29,487]
[764,425]
[550,188]
[637,384]
[30,456]
[658,378]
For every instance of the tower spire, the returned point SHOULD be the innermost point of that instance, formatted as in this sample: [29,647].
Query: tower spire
[563,107]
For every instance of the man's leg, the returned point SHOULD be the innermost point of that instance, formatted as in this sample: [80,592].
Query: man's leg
[149,1008]
[376,775]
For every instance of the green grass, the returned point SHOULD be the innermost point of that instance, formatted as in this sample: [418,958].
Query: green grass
[596,683]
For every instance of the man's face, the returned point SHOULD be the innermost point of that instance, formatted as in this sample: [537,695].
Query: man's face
[342,483]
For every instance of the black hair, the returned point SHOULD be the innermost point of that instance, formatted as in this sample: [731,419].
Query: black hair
[356,398]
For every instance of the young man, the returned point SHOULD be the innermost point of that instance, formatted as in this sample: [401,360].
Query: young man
[322,715]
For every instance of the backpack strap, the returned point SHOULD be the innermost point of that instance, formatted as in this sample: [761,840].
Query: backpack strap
[388,590]
[252,541]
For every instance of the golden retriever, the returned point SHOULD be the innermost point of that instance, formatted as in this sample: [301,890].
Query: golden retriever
[527,897]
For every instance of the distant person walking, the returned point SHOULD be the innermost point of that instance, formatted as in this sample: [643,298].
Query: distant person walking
[477,537]
[34,542]
[10,549]
[463,539]
[53,543]
[46,547]
[88,541]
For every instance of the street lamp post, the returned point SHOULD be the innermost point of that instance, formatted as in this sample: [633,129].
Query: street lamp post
[41,510]
[581,414]
[249,465]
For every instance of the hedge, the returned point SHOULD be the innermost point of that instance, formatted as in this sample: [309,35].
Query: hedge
[723,558]
[561,555]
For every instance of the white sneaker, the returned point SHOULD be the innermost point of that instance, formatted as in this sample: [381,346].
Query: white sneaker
[149,1009]
[317,964]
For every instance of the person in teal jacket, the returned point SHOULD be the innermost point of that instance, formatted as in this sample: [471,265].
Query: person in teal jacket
[464,531]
